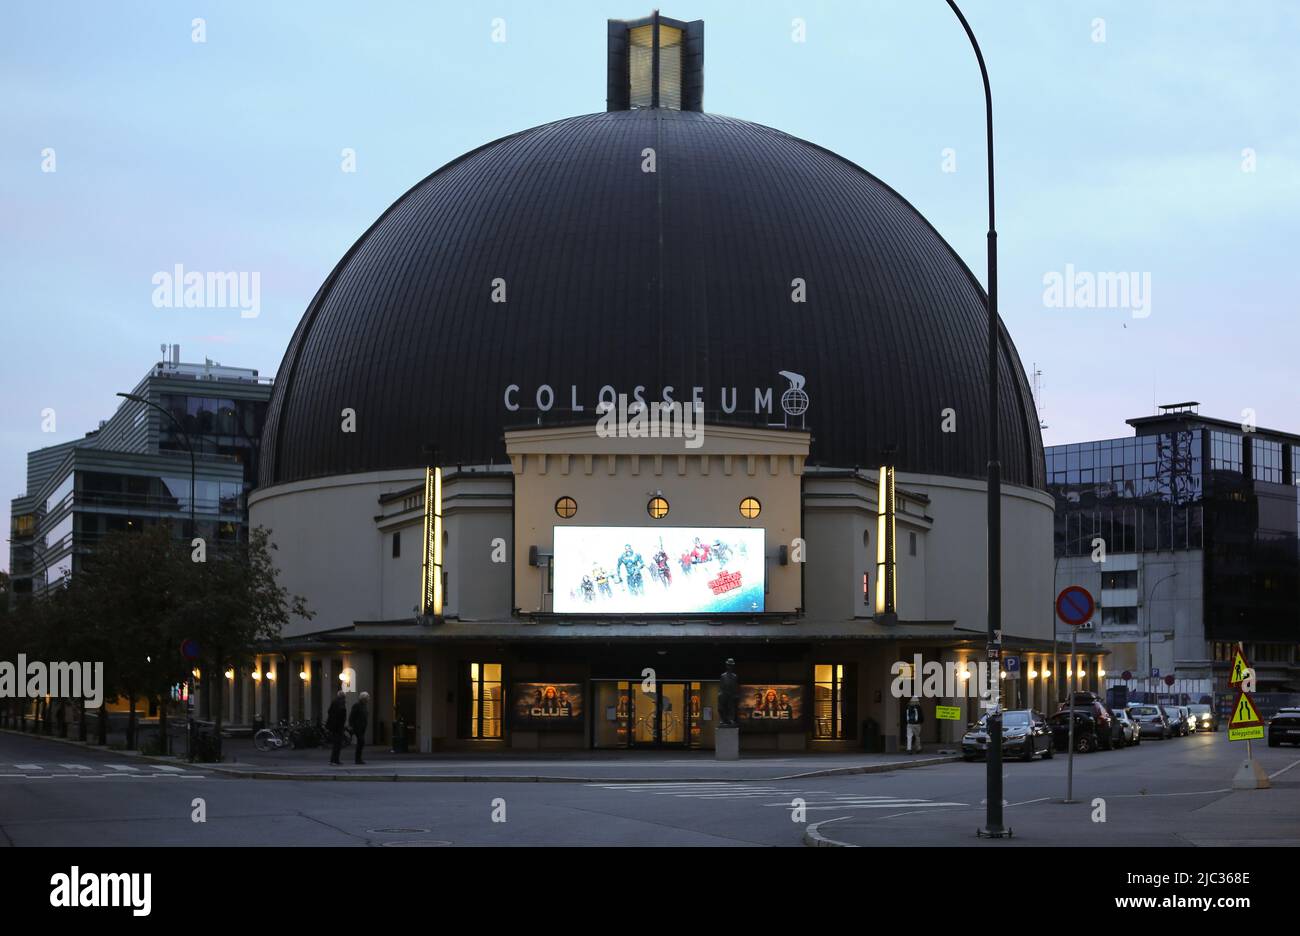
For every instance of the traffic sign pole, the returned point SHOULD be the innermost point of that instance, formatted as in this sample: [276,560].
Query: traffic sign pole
[1246,724]
[1074,606]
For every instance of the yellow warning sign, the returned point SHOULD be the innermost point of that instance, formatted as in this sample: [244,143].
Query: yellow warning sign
[1239,667]
[948,712]
[1245,720]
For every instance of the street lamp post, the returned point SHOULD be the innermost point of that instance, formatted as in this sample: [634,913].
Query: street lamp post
[1150,597]
[993,815]
[188,446]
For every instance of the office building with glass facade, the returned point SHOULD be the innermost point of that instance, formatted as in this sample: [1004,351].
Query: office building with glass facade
[1198,520]
[134,470]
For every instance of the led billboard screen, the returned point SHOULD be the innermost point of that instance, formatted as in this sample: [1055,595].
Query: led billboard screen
[658,570]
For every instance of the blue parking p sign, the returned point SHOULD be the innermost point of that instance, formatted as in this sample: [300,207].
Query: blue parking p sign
[1011,664]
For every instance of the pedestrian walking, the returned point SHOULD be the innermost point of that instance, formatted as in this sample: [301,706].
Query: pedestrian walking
[358,721]
[915,718]
[335,722]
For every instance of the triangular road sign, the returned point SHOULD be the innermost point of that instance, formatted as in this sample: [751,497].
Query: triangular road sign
[1244,713]
[1239,667]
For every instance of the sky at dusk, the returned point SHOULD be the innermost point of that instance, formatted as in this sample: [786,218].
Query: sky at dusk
[1171,149]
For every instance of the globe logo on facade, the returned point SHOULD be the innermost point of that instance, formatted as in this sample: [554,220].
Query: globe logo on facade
[795,399]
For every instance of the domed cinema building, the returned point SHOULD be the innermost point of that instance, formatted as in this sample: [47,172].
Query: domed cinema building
[475,366]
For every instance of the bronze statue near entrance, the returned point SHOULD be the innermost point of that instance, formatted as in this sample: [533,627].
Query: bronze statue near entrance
[728,695]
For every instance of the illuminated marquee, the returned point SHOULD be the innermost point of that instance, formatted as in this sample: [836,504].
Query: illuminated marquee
[431,565]
[886,565]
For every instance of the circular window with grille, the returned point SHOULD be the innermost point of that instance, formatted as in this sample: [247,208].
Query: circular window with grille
[657,508]
[750,508]
[566,507]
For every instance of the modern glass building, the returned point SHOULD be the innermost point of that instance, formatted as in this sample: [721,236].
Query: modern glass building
[134,470]
[1198,518]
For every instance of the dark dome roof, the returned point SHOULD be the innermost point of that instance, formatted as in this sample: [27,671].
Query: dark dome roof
[620,277]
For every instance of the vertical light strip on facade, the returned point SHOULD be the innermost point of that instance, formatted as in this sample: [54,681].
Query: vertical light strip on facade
[431,565]
[886,553]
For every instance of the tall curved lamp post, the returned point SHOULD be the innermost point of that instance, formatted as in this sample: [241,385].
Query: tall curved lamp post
[188,447]
[1151,595]
[993,816]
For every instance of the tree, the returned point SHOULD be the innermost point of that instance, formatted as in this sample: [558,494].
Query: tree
[232,604]
[127,597]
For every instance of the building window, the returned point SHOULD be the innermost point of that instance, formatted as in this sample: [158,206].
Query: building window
[832,702]
[750,508]
[1119,617]
[1225,451]
[1112,580]
[866,588]
[1266,460]
[397,544]
[566,507]
[911,543]
[484,700]
[657,508]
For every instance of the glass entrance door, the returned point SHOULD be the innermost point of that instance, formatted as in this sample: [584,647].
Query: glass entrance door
[660,718]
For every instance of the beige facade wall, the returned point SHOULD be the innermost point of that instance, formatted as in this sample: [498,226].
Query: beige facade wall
[613,480]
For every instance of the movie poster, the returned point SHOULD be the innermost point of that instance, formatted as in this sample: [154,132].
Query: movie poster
[771,707]
[547,706]
[659,570]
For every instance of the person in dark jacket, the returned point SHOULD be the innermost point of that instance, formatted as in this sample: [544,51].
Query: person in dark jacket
[915,718]
[358,721]
[334,722]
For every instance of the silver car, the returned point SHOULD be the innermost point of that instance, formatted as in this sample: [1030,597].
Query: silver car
[1151,720]
[1127,731]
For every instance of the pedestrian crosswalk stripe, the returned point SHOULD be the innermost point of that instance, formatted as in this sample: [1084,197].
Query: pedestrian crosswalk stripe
[74,766]
[121,767]
[167,768]
[29,766]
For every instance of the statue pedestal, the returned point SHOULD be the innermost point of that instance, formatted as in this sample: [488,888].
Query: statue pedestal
[727,744]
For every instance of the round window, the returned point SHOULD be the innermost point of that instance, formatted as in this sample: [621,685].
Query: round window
[750,508]
[566,507]
[657,508]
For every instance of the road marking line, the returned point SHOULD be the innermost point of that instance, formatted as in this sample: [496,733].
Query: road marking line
[165,767]
[120,767]
[29,766]
[74,766]
[1283,770]
[1028,802]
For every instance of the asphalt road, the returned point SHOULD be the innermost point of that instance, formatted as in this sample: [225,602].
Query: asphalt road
[53,794]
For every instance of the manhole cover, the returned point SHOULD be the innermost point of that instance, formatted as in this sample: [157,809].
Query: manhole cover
[396,831]
[418,843]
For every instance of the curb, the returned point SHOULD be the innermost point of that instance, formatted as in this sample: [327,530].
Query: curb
[813,838]
[532,778]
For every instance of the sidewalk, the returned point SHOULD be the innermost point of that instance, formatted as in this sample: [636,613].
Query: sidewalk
[242,759]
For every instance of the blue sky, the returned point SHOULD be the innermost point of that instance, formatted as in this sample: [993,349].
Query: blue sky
[1122,155]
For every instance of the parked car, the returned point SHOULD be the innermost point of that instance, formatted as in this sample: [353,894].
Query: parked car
[1206,720]
[1024,734]
[1151,720]
[1086,734]
[1284,727]
[1127,731]
[1099,713]
[1177,721]
[1188,718]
